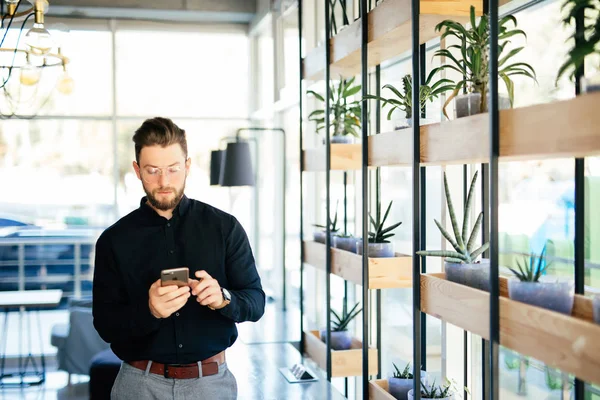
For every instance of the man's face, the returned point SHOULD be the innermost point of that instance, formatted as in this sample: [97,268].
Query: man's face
[163,171]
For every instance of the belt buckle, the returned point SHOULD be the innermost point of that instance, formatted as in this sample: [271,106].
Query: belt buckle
[166,371]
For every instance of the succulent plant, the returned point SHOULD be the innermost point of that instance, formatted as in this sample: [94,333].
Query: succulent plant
[436,391]
[405,374]
[381,234]
[464,244]
[332,224]
[473,65]
[345,116]
[403,100]
[529,271]
[341,323]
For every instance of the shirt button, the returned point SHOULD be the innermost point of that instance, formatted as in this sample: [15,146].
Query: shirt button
[171,251]
[180,346]
[169,225]
[177,314]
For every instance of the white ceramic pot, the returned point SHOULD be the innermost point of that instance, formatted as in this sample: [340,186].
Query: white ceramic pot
[411,396]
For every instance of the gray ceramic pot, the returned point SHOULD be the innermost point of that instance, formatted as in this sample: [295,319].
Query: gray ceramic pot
[555,296]
[376,250]
[320,236]
[399,388]
[345,243]
[476,275]
[340,340]
[596,306]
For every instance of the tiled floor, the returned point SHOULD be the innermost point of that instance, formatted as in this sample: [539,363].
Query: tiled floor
[255,360]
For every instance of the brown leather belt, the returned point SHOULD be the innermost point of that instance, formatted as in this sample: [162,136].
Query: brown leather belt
[210,366]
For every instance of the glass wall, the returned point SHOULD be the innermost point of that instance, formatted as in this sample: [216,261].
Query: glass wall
[71,166]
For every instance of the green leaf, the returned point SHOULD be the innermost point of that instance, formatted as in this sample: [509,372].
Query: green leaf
[468,205]
[474,233]
[510,54]
[352,91]
[452,214]
[442,253]
[447,236]
[390,228]
[479,251]
[317,95]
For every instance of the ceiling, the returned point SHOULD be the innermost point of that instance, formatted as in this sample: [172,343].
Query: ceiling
[225,11]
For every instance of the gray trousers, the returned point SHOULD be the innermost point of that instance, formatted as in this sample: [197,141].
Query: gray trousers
[135,384]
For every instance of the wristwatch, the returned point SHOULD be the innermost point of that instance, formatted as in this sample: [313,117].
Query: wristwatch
[226,299]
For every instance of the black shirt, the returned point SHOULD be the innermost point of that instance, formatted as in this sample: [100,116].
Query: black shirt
[129,257]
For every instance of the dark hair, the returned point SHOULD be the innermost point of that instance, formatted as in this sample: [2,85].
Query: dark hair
[158,131]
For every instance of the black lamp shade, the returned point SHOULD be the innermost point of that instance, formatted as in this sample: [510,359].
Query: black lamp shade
[236,167]
[216,157]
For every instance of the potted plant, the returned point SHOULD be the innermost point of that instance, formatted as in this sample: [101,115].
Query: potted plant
[587,42]
[473,64]
[555,296]
[340,338]
[402,381]
[320,236]
[461,264]
[434,391]
[344,241]
[345,114]
[403,100]
[379,245]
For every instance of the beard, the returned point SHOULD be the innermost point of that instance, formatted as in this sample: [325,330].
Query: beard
[164,205]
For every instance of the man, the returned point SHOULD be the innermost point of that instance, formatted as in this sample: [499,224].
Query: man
[172,340]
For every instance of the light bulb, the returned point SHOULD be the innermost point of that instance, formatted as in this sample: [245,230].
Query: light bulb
[30,75]
[66,84]
[39,40]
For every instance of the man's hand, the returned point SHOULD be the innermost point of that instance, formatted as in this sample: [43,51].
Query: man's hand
[164,301]
[207,290]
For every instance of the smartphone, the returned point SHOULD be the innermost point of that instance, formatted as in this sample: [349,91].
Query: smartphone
[175,276]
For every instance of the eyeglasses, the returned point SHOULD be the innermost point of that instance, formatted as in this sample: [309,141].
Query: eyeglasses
[153,174]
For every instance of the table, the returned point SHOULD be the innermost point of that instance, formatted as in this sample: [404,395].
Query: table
[22,300]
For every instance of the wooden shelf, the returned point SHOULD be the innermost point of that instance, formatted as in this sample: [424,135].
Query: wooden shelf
[569,128]
[343,362]
[384,273]
[344,157]
[569,343]
[390,31]
[379,390]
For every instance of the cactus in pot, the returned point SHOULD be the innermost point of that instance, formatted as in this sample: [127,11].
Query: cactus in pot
[340,338]
[402,381]
[461,264]
[433,391]
[527,288]
[378,243]
[320,236]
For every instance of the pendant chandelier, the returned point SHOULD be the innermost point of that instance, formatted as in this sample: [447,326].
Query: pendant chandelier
[24,60]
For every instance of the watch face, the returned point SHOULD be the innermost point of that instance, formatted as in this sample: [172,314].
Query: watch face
[226,295]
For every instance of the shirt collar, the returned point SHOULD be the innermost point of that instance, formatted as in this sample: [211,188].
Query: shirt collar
[180,209]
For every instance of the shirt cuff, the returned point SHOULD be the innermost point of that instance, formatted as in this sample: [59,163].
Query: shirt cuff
[230,310]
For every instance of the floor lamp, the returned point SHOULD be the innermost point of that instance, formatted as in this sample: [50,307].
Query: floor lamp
[233,167]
